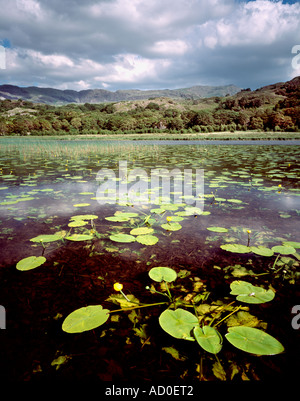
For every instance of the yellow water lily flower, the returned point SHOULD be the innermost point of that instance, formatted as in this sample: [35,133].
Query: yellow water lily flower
[118,287]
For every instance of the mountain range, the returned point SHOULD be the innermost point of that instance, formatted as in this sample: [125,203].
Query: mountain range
[61,97]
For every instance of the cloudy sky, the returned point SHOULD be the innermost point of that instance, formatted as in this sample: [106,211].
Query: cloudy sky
[148,44]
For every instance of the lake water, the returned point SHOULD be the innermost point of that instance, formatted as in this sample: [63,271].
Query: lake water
[221,193]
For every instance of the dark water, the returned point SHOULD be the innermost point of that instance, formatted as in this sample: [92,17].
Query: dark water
[246,187]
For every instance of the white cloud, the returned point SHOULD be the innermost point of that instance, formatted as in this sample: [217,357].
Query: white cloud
[140,43]
[255,23]
[170,47]
[131,68]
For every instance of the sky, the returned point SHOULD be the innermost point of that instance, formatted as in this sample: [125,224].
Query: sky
[148,44]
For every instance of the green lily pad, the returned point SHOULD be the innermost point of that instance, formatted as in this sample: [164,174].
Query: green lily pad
[81,204]
[246,292]
[234,200]
[254,341]
[141,231]
[236,248]
[31,262]
[175,218]
[122,238]
[79,237]
[292,244]
[47,238]
[284,249]
[160,274]
[218,229]
[178,323]
[147,239]
[84,319]
[127,215]
[261,250]
[117,219]
[208,338]
[84,217]
[171,226]
[78,223]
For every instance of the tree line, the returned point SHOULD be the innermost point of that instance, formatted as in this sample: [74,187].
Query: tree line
[247,111]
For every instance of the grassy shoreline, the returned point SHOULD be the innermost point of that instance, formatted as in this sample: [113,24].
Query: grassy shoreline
[238,135]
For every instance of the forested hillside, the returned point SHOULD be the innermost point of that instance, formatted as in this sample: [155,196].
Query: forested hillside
[271,108]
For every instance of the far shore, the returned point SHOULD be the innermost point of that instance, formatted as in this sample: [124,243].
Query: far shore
[237,135]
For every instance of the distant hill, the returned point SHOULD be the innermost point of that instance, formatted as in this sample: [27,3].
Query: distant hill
[61,97]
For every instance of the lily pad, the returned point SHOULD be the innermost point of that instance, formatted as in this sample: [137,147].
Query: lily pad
[236,248]
[284,249]
[171,226]
[122,238]
[84,319]
[178,323]
[254,341]
[262,250]
[117,219]
[78,223]
[84,217]
[141,231]
[246,292]
[160,274]
[79,237]
[208,338]
[147,239]
[218,229]
[47,238]
[292,244]
[30,263]
[81,204]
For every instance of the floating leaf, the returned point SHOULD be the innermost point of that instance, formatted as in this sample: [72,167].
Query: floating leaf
[81,204]
[127,215]
[79,237]
[234,200]
[284,249]
[147,239]
[208,338]
[77,223]
[292,244]
[237,248]
[122,238]
[117,218]
[141,231]
[84,319]
[178,323]
[218,229]
[47,238]
[262,250]
[175,218]
[84,217]
[253,340]
[160,274]
[31,262]
[171,226]
[246,292]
